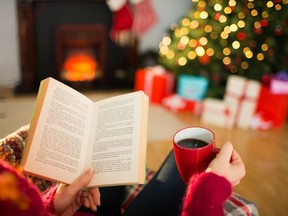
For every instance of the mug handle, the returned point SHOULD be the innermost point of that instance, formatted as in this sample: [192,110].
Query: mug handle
[216,151]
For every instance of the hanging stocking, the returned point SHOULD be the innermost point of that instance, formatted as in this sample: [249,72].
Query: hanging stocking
[122,18]
[145,16]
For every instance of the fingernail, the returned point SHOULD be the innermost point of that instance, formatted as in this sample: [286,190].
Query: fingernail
[94,208]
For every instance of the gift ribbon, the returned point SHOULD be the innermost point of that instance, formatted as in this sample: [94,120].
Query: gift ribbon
[226,113]
[174,102]
[241,98]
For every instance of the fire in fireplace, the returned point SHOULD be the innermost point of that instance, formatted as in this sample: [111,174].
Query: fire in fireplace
[79,66]
[81,52]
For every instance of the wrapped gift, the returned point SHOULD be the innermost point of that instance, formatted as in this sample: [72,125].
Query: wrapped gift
[192,87]
[174,103]
[261,122]
[194,105]
[177,103]
[271,110]
[217,112]
[242,96]
[155,82]
[279,83]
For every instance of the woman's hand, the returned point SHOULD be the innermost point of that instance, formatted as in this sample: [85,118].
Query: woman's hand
[228,164]
[68,199]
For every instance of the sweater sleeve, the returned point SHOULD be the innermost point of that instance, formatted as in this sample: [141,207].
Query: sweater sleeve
[18,196]
[205,195]
[47,199]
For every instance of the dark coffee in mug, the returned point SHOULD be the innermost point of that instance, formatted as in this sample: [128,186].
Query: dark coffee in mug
[192,143]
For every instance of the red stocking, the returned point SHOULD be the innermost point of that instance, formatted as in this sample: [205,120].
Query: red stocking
[122,20]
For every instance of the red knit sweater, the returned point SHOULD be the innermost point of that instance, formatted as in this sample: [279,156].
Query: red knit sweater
[19,197]
[205,195]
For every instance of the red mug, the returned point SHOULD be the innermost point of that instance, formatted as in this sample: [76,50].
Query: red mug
[194,149]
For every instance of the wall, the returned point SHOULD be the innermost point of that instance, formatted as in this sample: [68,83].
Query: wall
[168,12]
[9,50]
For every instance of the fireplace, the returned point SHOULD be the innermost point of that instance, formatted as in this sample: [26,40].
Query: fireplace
[69,40]
[81,53]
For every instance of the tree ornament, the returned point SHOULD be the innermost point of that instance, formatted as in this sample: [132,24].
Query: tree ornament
[278,30]
[258,31]
[271,52]
[264,23]
[217,16]
[205,59]
[241,36]
[232,8]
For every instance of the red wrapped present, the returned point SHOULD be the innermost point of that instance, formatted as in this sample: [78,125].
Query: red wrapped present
[177,103]
[155,82]
[271,108]
[194,105]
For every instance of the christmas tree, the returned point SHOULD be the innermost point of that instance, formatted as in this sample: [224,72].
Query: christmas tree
[222,37]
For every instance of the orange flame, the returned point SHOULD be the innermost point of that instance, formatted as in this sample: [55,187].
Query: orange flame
[80,67]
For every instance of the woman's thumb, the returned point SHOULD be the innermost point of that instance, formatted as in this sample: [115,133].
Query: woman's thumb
[81,181]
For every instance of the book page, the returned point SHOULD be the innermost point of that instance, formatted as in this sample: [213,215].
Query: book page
[58,141]
[118,140]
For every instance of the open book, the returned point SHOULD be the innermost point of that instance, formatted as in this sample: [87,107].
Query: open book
[69,133]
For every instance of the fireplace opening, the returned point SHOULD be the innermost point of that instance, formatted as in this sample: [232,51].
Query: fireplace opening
[81,53]
[79,65]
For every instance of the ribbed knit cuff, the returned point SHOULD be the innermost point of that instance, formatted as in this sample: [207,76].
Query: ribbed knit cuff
[48,200]
[206,194]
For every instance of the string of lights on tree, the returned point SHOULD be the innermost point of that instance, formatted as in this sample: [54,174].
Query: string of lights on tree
[222,37]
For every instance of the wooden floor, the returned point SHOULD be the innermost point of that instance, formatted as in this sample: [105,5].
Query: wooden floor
[265,154]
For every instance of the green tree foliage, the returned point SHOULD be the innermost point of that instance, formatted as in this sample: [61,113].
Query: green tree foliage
[221,37]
